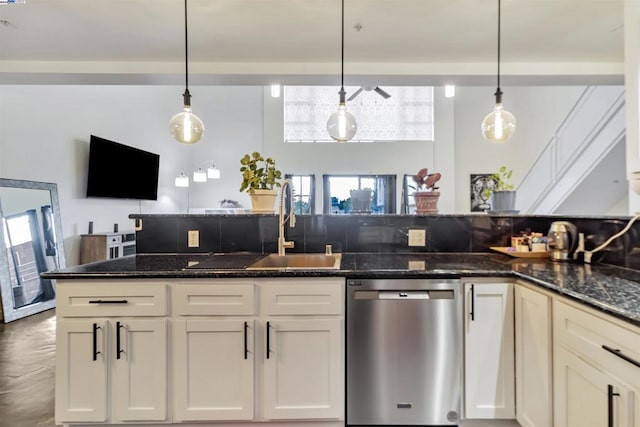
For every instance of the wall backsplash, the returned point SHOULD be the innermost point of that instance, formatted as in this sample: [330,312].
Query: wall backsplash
[372,233]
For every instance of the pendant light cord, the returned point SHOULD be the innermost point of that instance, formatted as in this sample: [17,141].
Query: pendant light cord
[498,91]
[186,95]
[342,92]
[342,49]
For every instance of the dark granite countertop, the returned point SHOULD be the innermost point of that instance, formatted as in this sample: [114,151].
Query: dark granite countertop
[613,290]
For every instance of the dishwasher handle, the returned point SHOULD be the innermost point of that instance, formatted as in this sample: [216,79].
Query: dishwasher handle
[399,295]
[403,295]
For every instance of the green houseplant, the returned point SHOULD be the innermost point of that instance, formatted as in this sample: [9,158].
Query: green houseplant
[259,177]
[502,193]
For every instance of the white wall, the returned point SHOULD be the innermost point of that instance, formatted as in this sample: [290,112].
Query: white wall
[539,111]
[44,136]
[375,158]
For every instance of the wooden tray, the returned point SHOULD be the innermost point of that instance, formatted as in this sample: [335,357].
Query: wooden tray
[505,250]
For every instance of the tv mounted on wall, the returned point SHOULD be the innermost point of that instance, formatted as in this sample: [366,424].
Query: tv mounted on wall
[122,172]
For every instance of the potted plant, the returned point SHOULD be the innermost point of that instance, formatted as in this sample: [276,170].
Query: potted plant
[426,194]
[502,194]
[259,177]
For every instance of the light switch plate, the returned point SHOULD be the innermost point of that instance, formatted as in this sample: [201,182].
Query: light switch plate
[194,239]
[417,237]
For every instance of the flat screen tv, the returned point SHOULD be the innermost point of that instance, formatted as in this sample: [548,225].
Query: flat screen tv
[122,172]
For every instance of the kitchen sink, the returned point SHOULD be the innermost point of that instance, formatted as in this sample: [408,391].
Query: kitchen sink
[298,262]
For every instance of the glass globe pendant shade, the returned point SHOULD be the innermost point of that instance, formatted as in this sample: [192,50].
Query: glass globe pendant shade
[342,124]
[499,125]
[186,127]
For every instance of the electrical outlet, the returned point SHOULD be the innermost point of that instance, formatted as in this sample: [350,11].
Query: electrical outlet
[194,239]
[417,237]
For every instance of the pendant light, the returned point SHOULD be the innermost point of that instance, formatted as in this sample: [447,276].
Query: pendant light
[499,125]
[185,126]
[342,125]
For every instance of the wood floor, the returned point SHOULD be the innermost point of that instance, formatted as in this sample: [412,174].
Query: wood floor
[27,376]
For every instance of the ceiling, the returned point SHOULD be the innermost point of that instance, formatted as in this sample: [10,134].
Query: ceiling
[298,42]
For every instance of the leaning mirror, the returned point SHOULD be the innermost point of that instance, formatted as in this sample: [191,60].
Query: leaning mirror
[30,243]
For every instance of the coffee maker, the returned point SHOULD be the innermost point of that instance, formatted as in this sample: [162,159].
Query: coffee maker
[562,240]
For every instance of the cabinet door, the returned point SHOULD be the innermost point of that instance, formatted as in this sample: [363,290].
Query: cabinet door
[303,369]
[489,351]
[533,358]
[81,371]
[586,397]
[213,370]
[139,360]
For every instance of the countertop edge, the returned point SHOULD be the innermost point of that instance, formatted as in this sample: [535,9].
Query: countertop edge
[594,303]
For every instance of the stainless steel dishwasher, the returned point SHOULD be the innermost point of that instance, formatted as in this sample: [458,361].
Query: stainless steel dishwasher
[404,351]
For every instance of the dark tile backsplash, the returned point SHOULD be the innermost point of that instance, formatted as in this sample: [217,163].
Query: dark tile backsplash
[374,233]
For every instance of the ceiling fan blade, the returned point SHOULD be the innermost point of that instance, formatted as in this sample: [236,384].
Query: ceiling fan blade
[382,92]
[356,93]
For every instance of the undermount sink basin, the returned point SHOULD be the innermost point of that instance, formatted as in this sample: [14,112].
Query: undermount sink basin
[298,262]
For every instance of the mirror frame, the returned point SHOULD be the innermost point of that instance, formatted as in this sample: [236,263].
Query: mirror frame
[9,313]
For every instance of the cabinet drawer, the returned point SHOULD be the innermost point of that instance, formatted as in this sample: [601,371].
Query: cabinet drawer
[586,332]
[214,299]
[89,299]
[302,298]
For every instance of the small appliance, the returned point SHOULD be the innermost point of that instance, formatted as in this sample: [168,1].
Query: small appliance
[562,240]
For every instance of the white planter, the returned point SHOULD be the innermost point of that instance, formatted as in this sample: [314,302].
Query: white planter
[503,201]
[263,201]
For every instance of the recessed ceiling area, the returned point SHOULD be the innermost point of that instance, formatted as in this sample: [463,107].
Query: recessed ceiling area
[387,42]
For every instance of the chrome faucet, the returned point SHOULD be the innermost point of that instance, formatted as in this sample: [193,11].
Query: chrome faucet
[282,243]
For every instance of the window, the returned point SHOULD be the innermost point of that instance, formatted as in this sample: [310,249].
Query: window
[304,190]
[406,116]
[344,194]
[408,189]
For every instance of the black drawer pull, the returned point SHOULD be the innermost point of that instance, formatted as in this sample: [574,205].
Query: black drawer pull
[610,396]
[108,301]
[95,342]
[246,347]
[473,303]
[621,355]
[268,341]
[118,343]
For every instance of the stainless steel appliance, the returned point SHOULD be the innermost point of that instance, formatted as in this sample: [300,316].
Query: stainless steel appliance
[562,240]
[404,351]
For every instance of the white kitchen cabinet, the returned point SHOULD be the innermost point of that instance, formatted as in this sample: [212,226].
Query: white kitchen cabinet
[111,367]
[135,363]
[214,369]
[533,357]
[303,369]
[596,368]
[214,350]
[489,384]
[81,371]
[589,397]
[304,354]
[262,350]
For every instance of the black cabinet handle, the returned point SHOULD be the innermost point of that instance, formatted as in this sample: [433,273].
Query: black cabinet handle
[95,352]
[268,343]
[610,395]
[108,301]
[246,348]
[118,346]
[621,355]
[473,303]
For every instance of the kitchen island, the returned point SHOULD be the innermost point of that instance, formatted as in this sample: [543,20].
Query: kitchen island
[153,338]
